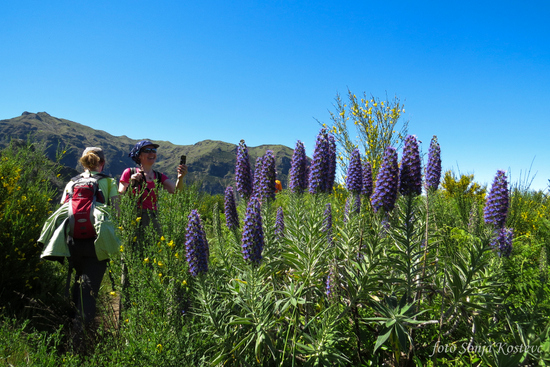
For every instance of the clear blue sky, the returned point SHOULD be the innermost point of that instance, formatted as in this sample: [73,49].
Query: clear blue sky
[476,74]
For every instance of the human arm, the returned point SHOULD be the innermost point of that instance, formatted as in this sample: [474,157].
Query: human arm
[124,181]
[169,184]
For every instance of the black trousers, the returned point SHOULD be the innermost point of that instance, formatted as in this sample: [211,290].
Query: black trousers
[88,277]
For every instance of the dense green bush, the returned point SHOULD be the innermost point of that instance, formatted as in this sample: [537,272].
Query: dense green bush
[25,203]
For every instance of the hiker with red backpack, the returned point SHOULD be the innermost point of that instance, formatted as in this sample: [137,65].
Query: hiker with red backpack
[82,231]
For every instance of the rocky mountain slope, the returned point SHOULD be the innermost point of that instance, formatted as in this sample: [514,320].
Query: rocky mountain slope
[211,163]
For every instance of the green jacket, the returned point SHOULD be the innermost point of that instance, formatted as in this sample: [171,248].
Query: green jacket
[56,229]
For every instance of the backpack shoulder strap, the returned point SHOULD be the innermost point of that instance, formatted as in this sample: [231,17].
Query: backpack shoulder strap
[78,177]
[158,177]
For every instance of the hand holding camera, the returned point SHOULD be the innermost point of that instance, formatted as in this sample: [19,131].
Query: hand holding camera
[182,168]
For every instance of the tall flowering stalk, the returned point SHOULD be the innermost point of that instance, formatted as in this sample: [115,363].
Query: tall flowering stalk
[502,242]
[196,246]
[433,169]
[257,177]
[367,179]
[252,243]
[331,176]
[319,169]
[354,180]
[243,172]
[231,216]
[496,207]
[267,177]
[280,223]
[327,223]
[331,286]
[410,177]
[385,193]
[298,169]
[496,212]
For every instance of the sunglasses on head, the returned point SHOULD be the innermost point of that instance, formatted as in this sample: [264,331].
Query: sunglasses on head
[149,150]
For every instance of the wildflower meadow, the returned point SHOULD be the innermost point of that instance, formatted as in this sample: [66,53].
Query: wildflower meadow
[397,264]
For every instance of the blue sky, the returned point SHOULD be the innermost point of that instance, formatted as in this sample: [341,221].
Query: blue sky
[476,74]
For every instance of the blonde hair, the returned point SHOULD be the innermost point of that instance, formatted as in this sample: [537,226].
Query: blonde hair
[91,160]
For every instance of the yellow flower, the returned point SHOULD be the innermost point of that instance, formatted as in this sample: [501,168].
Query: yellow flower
[184,283]
[162,238]
[159,348]
[138,219]
[121,248]
[160,275]
[112,294]
[146,260]
[160,263]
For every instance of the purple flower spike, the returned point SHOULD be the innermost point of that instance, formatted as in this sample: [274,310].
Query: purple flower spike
[387,180]
[231,216]
[327,223]
[257,177]
[298,169]
[411,174]
[433,169]
[496,207]
[267,179]
[196,246]
[280,223]
[319,168]
[367,179]
[354,181]
[243,172]
[252,243]
[331,289]
[503,241]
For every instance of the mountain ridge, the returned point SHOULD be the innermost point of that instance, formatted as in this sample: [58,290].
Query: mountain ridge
[211,163]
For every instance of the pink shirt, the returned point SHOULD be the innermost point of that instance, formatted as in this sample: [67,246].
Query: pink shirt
[149,197]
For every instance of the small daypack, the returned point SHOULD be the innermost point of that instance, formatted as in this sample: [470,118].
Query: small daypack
[82,196]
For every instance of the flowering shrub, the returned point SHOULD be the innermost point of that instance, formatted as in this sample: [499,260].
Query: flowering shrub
[367,179]
[243,172]
[266,179]
[387,181]
[280,223]
[319,179]
[354,181]
[196,245]
[231,216]
[496,208]
[410,176]
[253,235]
[298,169]
[25,203]
[433,168]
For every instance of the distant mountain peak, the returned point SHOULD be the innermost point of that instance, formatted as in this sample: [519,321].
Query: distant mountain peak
[211,163]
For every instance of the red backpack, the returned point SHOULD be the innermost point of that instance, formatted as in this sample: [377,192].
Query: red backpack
[82,195]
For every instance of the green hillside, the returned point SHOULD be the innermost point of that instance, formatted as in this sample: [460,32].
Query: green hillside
[211,163]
